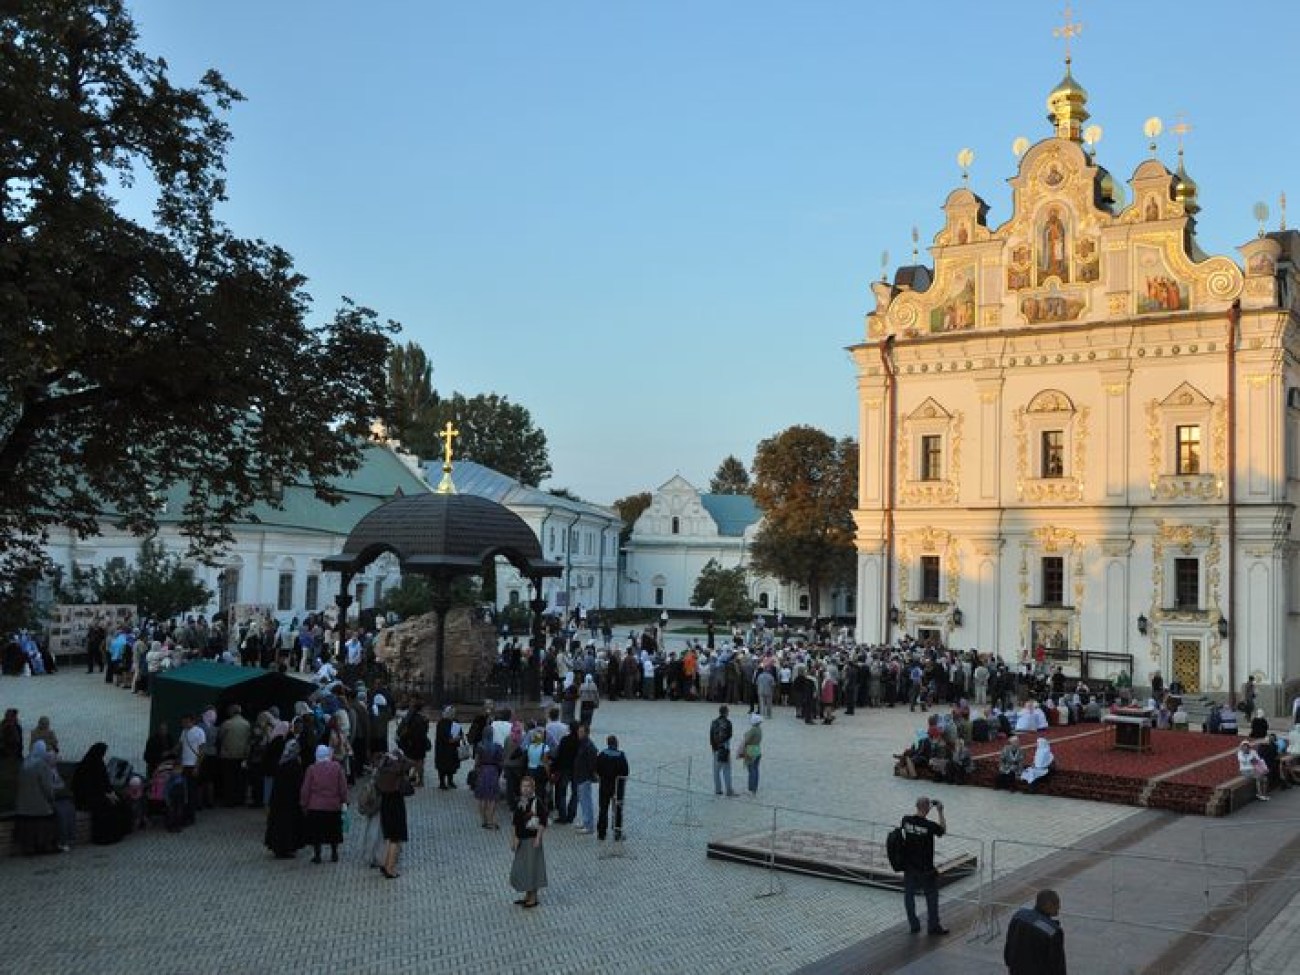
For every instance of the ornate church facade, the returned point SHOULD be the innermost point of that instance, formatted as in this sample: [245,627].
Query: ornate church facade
[1081,433]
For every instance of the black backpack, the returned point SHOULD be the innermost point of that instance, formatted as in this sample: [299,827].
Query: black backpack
[895,843]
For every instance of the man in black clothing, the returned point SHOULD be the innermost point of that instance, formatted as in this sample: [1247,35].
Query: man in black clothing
[612,770]
[1035,942]
[720,743]
[918,864]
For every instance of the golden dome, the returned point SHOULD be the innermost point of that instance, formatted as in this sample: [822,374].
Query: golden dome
[1185,190]
[1066,107]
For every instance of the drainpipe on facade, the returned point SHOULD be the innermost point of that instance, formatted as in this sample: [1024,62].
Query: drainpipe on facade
[1234,322]
[891,473]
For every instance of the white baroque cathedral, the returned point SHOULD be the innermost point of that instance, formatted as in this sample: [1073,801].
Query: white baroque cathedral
[1080,433]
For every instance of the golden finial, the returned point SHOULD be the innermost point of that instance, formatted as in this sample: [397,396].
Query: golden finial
[1281,202]
[884,265]
[916,240]
[1069,29]
[1261,214]
[964,158]
[1020,146]
[1180,129]
[1152,128]
[447,435]
[1091,136]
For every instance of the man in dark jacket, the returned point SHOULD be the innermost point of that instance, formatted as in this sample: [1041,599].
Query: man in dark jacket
[584,775]
[919,874]
[612,770]
[566,793]
[1035,942]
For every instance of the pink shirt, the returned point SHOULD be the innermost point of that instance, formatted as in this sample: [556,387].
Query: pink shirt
[324,787]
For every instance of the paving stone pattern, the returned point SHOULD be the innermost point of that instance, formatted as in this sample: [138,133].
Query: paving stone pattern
[212,899]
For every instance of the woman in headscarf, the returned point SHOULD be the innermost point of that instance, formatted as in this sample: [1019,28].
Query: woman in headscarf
[1010,763]
[35,828]
[110,818]
[513,760]
[323,797]
[392,781]
[1252,767]
[446,748]
[588,700]
[528,870]
[43,732]
[284,821]
[751,750]
[487,769]
[1042,764]
[340,744]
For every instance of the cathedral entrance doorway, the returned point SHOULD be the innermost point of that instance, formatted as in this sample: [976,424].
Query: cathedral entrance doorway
[1187,665]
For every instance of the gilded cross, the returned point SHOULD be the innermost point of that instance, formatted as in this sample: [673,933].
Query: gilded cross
[447,434]
[1071,28]
[1180,129]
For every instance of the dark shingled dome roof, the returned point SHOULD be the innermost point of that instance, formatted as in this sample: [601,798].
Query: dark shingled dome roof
[429,533]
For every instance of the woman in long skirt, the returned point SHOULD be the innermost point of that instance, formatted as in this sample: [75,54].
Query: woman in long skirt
[528,872]
[487,781]
[323,797]
[284,822]
[394,773]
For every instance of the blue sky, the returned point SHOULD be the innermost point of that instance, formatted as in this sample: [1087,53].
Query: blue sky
[654,223]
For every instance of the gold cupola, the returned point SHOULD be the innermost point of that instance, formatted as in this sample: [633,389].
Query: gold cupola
[1185,189]
[1066,107]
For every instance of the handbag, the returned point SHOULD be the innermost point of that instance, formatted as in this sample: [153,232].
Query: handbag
[464,752]
[405,786]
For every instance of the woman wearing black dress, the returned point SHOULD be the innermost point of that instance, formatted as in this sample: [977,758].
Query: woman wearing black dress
[392,781]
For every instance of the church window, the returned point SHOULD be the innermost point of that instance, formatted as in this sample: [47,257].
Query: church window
[659,595]
[284,598]
[1053,453]
[312,599]
[931,457]
[1189,449]
[1053,580]
[1187,583]
[361,596]
[763,601]
[930,578]
[803,603]
[677,525]
[514,597]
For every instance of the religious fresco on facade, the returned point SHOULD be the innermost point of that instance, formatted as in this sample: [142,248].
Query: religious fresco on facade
[958,312]
[1158,289]
[1018,270]
[1089,258]
[1053,306]
[1151,209]
[1054,246]
[1261,264]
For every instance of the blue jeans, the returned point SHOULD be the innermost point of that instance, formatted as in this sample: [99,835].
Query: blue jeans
[925,881]
[588,810]
[752,766]
[721,775]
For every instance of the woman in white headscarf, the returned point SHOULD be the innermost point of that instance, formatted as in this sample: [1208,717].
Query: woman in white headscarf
[35,828]
[324,797]
[751,751]
[1041,766]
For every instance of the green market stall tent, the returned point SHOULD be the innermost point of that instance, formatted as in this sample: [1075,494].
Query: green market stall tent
[195,686]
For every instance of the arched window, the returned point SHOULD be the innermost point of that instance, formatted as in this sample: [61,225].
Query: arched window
[762,600]
[803,604]
[677,525]
[659,596]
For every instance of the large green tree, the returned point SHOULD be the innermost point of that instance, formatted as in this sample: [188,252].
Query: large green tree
[139,353]
[412,397]
[731,477]
[630,509]
[495,433]
[805,483]
[159,584]
[724,591]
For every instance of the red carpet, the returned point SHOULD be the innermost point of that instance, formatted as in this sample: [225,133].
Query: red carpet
[1185,771]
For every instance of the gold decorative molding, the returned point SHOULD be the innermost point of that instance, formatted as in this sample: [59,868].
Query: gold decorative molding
[1187,539]
[945,490]
[1052,489]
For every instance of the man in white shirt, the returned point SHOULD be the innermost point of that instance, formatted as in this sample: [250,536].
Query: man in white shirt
[193,741]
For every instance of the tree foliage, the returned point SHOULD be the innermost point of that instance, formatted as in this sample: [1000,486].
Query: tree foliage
[495,433]
[135,355]
[412,398]
[630,509]
[805,482]
[413,596]
[159,584]
[726,589]
[731,477]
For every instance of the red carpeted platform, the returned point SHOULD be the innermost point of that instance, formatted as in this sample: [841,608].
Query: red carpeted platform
[1185,771]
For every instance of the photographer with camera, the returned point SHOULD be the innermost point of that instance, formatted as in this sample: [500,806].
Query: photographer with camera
[919,873]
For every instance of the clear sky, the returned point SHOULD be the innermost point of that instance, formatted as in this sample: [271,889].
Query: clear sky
[654,223]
